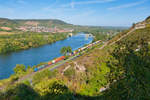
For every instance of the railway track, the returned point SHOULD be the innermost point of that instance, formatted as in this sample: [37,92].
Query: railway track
[106,43]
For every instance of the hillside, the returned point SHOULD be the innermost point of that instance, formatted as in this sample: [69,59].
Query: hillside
[33,25]
[114,70]
[7,23]
[11,22]
[148,19]
[117,69]
[49,25]
[40,22]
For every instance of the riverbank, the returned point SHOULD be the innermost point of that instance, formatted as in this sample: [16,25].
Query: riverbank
[17,42]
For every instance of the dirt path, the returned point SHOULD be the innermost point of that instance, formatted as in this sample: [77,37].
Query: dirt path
[123,36]
[105,44]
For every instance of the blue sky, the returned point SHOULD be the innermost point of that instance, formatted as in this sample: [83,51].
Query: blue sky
[79,12]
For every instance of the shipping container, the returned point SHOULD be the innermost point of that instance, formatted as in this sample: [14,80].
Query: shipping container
[58,59]
[49,63]
[35,69]
[41,67]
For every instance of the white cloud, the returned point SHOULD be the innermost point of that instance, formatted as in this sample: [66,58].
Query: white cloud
[73,4]
[127,5]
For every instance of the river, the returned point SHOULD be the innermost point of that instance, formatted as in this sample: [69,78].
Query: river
[35,56]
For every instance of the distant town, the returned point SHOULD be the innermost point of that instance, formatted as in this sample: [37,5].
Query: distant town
[44,29]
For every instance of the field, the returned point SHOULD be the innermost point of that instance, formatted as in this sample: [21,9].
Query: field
[6,33]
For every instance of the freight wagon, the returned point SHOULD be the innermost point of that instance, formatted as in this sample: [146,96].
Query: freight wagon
[39,68]
[58,59]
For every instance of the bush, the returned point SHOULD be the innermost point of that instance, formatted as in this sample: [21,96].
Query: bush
[44,74]
[53,89]
[19,69]
[20,92]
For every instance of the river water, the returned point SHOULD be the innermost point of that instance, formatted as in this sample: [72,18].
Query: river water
[35,56]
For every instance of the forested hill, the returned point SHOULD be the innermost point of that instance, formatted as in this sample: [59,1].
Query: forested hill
[32,22]
[41,22]
[7,22]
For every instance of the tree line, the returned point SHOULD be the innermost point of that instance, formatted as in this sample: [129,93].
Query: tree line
[15,42]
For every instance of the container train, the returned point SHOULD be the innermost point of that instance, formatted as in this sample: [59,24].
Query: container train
[63,57]
[49,63]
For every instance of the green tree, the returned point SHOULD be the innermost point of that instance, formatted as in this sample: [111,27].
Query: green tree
[53,89]
[19,69]
[65,50]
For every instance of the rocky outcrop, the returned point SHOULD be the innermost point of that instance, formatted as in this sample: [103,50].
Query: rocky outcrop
[79,68]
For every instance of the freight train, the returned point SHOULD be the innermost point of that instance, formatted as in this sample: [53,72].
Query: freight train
[63,57]
[49,63]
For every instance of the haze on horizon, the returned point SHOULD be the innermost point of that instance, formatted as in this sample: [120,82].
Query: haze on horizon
[79,12]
